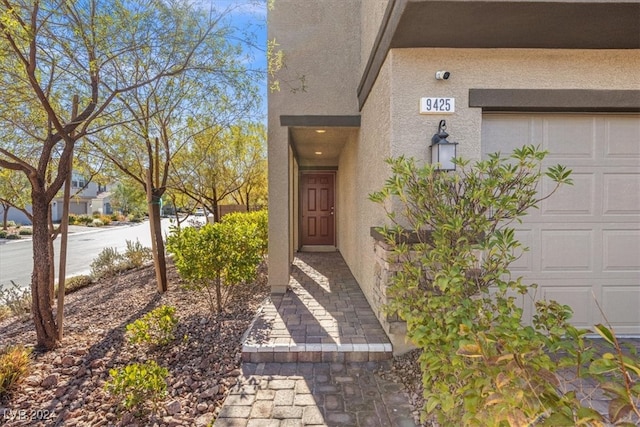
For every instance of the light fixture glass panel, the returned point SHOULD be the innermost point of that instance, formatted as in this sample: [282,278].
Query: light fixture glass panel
[447,154]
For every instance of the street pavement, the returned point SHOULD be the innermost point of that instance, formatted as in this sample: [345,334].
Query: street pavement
[85,243]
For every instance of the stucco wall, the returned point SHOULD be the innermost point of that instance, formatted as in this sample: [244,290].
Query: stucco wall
[372,13]
[324,48]
[413,77]
[361,171]
[392,125]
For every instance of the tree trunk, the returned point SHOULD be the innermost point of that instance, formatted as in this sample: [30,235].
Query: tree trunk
[46,331]
[5,216]
[157,245]
[52,267]
[219,292]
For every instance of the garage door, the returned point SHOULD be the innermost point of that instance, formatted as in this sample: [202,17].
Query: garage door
[585,240]
[78,208]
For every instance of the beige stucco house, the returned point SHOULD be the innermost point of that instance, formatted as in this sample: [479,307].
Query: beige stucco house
[563,74]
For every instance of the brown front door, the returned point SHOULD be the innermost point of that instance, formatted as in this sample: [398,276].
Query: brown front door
[317,209]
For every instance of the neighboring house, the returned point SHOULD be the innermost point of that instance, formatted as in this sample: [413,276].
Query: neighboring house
[86,199]
[16,216]
[102,202]
[562,74]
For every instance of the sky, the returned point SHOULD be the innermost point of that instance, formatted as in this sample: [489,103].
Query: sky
[249,18]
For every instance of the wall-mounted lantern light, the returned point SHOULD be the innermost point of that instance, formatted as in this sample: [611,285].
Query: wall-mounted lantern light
[442,151]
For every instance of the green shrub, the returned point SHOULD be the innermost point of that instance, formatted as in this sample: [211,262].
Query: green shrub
[97,222]
[115,217]
[258,218]
[106,219]
[108,263]
[480,364]
[136,217]
[225,253]
[136,254]
[12,237]
[96,214]
[15,299]
[618,374]
[73,219]
[25,232]
[155,328]
[76,283]
[3,234]
[137,385]
[85,219]
[11,224]
[14,366]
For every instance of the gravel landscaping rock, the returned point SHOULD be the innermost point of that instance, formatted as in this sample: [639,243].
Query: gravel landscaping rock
[66,385]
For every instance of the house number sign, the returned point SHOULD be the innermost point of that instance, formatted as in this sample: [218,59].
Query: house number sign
[435,105]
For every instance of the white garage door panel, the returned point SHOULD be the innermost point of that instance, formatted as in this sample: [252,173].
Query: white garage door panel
[621,250]
[623,137]
[577,199]
[584,241]
[579,298]
[567,250]
[621,193]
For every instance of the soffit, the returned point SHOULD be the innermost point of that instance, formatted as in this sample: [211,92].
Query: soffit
[307,143]
[502,24]
[518,24]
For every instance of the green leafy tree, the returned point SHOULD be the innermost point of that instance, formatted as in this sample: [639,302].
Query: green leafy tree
[222,162]
[54,50]
[480,364]
[128,198]
[252,168]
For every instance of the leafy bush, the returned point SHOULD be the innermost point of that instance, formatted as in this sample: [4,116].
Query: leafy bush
[12,237]
[3,234]
[73,219]
[136,217]
[136,254]
[155,328]
[25,232]
[84,219]
[258,218]
[108,263]
[618,373]
[14,366]
[11,224]
[76,283]
[97,222]
[138,384]
[15,299]
[225,253]
[106,219]
[480,364]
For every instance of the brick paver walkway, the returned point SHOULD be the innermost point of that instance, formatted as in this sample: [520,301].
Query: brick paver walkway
[315,394]
[323,317]
[311,355]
